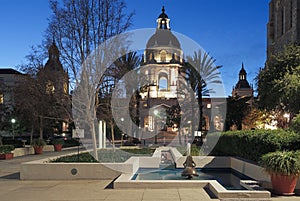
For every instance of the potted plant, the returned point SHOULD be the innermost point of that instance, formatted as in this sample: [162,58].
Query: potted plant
[38,145]
[58,143]
[284,169]
[6,152]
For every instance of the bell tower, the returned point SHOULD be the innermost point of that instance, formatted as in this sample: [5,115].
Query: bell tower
[161,63]
[242,88]
[163,21]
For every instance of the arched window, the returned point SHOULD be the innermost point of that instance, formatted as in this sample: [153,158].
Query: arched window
[163,81]
[163,56]
[163,84]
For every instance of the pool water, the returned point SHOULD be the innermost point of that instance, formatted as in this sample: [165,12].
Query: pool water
[227,177]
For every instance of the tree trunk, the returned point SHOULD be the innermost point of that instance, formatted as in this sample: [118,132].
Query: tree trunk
[200,114]
[41,127]
[31,134]
[179,135]
[200,109]
[94,140]
[112,135]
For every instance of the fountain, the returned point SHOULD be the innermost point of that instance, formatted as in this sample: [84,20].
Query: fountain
[167,161]
[189,165]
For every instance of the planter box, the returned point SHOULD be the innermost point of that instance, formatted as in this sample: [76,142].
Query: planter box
[6,156]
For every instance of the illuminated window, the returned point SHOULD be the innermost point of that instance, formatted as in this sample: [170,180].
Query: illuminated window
[163,56]
[1,98]
[65,87]
[50,88]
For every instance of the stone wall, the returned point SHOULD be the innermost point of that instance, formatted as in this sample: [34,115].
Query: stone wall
[283,26]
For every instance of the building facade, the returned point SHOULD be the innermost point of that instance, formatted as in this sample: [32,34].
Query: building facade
[283,27]
[9,80]
[56,85]
[161,65]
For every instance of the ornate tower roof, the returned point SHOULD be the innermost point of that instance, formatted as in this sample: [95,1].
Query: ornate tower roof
[53,62]
[242,83]
[243,73]
[163,35]
[163,21]
[53,51]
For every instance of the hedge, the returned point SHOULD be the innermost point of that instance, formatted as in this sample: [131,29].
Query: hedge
[252,144]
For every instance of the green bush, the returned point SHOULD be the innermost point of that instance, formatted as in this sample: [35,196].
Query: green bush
[15,142]
[281,162]
[38,143]
[57,141]
[295,124]
[5,149]
[252,144]
[71,142]
[82,158]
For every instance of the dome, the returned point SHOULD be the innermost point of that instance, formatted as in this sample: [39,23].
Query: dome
[163,38]
[243,84]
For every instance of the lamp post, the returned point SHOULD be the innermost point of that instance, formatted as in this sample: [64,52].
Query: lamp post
[155,126]
[13,121]
[122,138]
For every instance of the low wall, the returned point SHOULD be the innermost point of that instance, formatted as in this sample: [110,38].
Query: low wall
[43,170]
[23,151]
[40,170]
[29,150]
[48,148]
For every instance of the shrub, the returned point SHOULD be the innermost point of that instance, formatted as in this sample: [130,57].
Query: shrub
[57,141]
[295,124]
[252,144]
[281,162]
[17,143]
[5,149]
[38,142]
[71,142]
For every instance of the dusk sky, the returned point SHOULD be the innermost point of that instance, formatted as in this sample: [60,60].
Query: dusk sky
[232,31]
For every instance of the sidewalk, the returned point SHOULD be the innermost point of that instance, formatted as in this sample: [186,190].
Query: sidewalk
[13,189]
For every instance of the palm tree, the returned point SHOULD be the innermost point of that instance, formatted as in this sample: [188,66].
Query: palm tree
[199,72]
[124,64]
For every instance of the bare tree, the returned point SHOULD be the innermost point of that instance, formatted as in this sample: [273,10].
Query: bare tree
[80,27]
[41,97]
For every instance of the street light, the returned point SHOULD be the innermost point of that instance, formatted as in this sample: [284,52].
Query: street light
[155,126]
[13,121]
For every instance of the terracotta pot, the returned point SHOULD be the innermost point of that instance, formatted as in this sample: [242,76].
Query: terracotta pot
[58,147]
[6,156]
[283,184]
[38,150]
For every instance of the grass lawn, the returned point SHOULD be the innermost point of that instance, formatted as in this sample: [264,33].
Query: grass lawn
[195,151]
[106,156]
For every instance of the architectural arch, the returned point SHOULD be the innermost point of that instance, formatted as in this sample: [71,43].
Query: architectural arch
[163,79]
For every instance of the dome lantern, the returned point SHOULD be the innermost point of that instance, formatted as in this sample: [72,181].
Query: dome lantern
[163,21]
